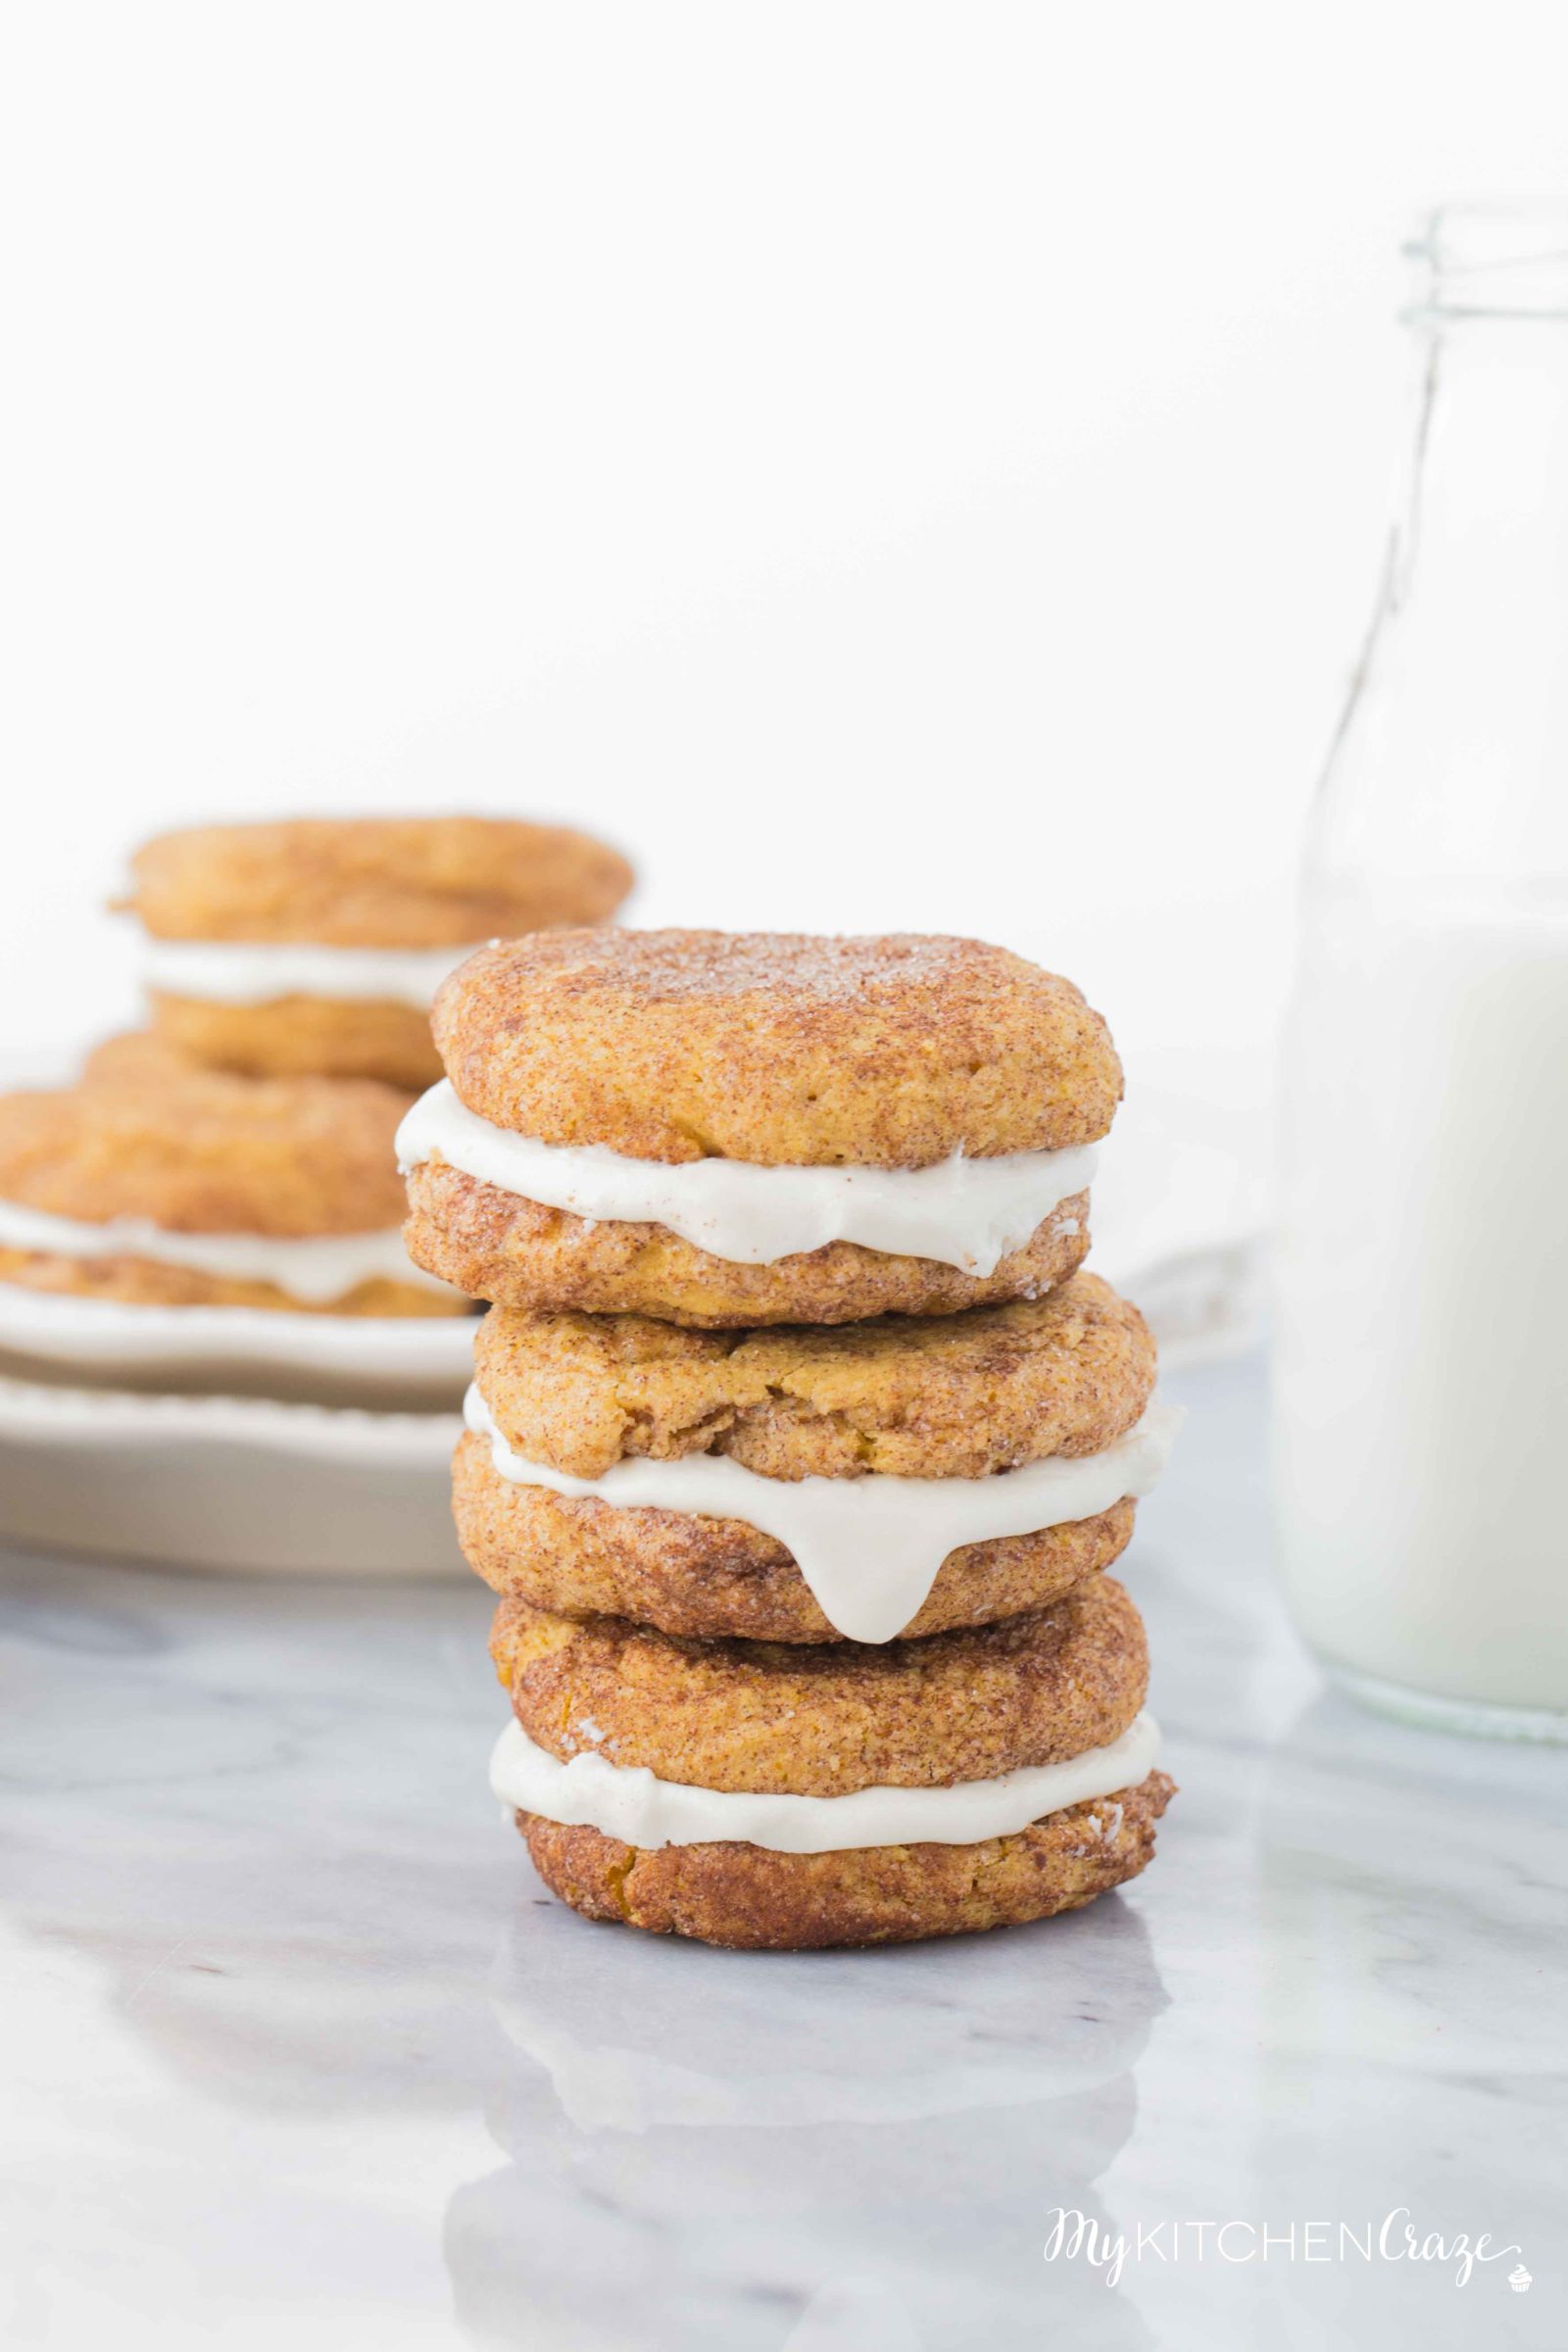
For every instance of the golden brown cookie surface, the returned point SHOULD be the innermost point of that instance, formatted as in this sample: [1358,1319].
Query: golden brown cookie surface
[749,1898]
[295,1036]
[146,1281]
[494,1244]
[145,1134]
[709,1579]
[137,1058]
[828,1720]
[387,882]
[925,1397]
[777,1048]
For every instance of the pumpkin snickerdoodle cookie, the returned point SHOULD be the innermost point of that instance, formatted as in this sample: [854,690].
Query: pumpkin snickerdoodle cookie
[759,1796]
[156,1183]
[724,1129]
[313,946]
[827,1720]
[751,1897]
[877,1447]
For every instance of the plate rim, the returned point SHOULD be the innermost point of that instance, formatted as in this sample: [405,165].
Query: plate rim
[72,1416]
[118,1331]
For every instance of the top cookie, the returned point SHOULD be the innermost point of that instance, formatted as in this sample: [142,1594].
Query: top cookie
[144,1135]
[777,1048]
[377,882]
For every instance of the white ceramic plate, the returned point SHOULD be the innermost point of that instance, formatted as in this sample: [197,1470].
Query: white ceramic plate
[409,1360]
[228,1482]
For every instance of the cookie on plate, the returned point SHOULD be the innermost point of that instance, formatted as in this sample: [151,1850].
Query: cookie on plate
[156,1183]
[313,946]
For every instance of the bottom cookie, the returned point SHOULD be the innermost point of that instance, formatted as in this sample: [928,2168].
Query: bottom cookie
[303,1037]
[143,1282]
[752,1898]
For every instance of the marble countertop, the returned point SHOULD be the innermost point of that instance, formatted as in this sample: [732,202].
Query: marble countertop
[299,2051]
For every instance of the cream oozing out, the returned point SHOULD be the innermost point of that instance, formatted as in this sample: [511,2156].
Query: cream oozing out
[631,1803]
[261,971]
[869,1548]
[968,1213]
[314,1268]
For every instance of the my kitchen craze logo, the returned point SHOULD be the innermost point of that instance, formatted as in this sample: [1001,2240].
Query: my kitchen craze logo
[1074,2236]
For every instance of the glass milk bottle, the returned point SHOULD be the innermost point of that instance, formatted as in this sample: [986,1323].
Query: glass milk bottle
[1421,1381]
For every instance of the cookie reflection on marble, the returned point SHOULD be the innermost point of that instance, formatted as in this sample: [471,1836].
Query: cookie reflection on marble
[797,2152]
[917,2030]
[726,2238]
[860,2315]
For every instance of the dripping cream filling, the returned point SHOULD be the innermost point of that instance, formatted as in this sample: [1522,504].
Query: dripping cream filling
[968,1213]
[630,1803]
[869,1548]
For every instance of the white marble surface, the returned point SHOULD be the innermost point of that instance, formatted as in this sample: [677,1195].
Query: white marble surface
[299,2052]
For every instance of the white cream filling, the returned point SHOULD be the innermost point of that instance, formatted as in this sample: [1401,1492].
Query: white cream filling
[631,1803]
[869,1548]
[259,972]
[968,1213]
[315,1269]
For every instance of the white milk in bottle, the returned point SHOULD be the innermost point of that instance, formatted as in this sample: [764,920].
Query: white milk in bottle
[1421,1377]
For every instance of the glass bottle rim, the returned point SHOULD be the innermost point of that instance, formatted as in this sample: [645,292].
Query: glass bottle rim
[1491,261]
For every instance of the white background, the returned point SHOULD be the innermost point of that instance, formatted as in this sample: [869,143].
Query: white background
[885,465]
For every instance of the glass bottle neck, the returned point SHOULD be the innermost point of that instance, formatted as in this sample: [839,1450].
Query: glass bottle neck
[1490,262]
[1487,479]
[1450,767]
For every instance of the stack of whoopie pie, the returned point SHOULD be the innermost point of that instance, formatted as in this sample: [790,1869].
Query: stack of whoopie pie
[799,1447]
[239,1153]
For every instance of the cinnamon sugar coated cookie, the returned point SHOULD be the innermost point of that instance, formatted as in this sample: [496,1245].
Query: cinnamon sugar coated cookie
[834,1723]
[962,1397]
[777,1048]
[299,1037]
[712,1578]
[129,1280]
[722,1129]
[226,1176]
[923,1397]
[314,946]
[498,1246]
[797,1446]
[750,1898]
[829,1720]
[144,1135]
[373,882]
